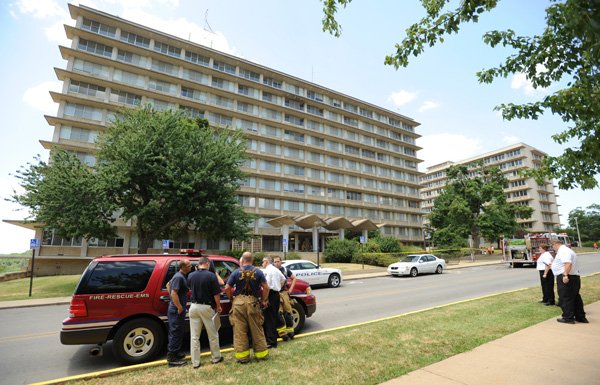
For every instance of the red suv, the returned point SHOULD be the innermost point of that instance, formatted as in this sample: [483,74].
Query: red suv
[124,298]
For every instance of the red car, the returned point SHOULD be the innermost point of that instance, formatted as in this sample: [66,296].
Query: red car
[124,298]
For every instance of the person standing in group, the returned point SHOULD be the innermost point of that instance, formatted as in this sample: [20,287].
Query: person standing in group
[246,313]
[275,280]
[568,283]
[595,246]
[205,293]
[544,264]
[286,331]
[178,291]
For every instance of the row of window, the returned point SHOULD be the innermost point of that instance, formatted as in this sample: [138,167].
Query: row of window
[325,209]
[164,48]
[317,191]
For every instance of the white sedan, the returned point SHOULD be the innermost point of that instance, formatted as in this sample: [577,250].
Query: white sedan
[313,273]
[414,265]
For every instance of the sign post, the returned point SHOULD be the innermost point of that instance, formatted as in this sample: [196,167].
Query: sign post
[33,244]
[362,250]
[285,247]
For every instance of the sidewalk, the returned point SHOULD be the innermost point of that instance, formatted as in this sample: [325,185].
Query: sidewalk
[548,353]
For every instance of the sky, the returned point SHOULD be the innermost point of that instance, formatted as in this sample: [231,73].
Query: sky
[438,89]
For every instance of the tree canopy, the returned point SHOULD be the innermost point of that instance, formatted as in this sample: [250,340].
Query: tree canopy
[587,221]
[165,172]
[568,50]
[474,205]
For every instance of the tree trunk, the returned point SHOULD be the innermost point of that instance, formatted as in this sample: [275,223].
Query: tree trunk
[145,241]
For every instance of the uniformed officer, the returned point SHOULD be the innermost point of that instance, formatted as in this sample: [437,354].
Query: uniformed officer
[246,310]
[568,283]
[286,330]
[178,291]
[275,280]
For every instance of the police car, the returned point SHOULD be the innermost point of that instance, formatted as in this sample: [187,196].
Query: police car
[313,273]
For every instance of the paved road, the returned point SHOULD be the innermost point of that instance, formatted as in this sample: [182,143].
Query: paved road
[31,350]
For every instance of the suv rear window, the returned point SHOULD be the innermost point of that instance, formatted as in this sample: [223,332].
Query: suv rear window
[116,277]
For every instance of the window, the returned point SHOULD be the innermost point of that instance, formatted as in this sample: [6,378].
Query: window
[335,177]
[246,125]
[161,86]
[167,49]
[95,48]
[246,201]
[368,154]
[129,78]
[293,153]
[270,148]
[191,93]
[134,39]
[267,165]
[270,114]
[352,180]
[319,142]
[316,174]
[334,146]
[352,150]
[316,126]
[269,184]
[219,119]
[265,203]
[369,183]
[197,59]
[315,208]
[86,88]
[335,210]
[250,75]
[165,67]
[314,96]
[101,29]
[315,157]
[352,165]
[270,131]
[132,58]
[294,170]
[292,135]
[367,113]
[350,121]
[272,82]
[294,120]
[82,111]
[116,277]
[293,206]
[224,67]
[316,191]
[222,101]
[334,161]
[192,112]
[195,76]
[293,187]
[353,196]
[295,104]
[246,107]
[90,68]
[221,83]
[125,97]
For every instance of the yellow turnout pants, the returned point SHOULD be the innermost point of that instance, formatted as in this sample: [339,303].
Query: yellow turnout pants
[246,314]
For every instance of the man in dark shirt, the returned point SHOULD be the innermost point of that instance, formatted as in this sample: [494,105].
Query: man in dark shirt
[244,286]
[205,293]
[178,290]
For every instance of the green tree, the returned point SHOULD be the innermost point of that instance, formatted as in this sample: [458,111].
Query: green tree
[165,172]
[588,222]
[67,195]
[475,206]
[568,51]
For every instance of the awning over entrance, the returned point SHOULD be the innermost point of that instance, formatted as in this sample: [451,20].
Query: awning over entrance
[330,223]
[337,223]
[364,224]
[309,221]
[280,221]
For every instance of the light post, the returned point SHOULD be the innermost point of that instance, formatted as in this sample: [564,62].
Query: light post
[578,236]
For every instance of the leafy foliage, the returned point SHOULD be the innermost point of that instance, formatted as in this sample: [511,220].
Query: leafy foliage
[567,50]
[165,172]
[588,221]
[475,206]
[341,250]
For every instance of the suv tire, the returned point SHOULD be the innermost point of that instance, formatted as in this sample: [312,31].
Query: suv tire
[298,316]
[138,340]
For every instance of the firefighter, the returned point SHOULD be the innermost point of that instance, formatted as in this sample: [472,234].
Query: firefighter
[246,310]
[286,330]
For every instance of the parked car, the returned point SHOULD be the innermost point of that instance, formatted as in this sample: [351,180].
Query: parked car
[124,298]
[313,273]
[416,264]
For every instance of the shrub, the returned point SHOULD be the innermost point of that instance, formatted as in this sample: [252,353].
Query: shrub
[372,246]
[388,244]
[377,259]
[341,250]
[292,255]
[258,257]
[232,253]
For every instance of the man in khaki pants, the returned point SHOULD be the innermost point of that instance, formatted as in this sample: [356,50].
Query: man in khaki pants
[246,310]
[205,294]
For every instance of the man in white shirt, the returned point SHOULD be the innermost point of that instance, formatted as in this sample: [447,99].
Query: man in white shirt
[544,264]
[275,281]
[568,283]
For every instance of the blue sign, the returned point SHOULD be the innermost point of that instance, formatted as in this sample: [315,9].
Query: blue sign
[33,243]
[285,241]
[165,244]
[362,239]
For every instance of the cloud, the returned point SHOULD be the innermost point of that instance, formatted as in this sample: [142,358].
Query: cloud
[180,27]
[511,139]
[13,239]
[520,81]
[39,98]
[439,148]
[428,105]
[39,9]
[402,97]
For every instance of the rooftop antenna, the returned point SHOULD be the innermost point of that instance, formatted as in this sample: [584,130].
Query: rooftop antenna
[206,25]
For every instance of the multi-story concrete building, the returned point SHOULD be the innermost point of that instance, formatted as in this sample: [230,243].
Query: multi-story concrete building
[321,162]
[520,190]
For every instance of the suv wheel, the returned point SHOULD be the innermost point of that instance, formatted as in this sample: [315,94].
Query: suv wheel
[298,315]
[334,280]
[138,340]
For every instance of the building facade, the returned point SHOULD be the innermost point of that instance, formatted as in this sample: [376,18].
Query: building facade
[320,160]
[521,190]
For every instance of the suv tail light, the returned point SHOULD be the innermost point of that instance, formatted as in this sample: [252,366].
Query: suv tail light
[77,308]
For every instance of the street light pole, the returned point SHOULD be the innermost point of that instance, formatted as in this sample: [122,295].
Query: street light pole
[578,236]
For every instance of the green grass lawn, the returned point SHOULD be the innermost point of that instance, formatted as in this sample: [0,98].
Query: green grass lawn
[43,287]
[373,352]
